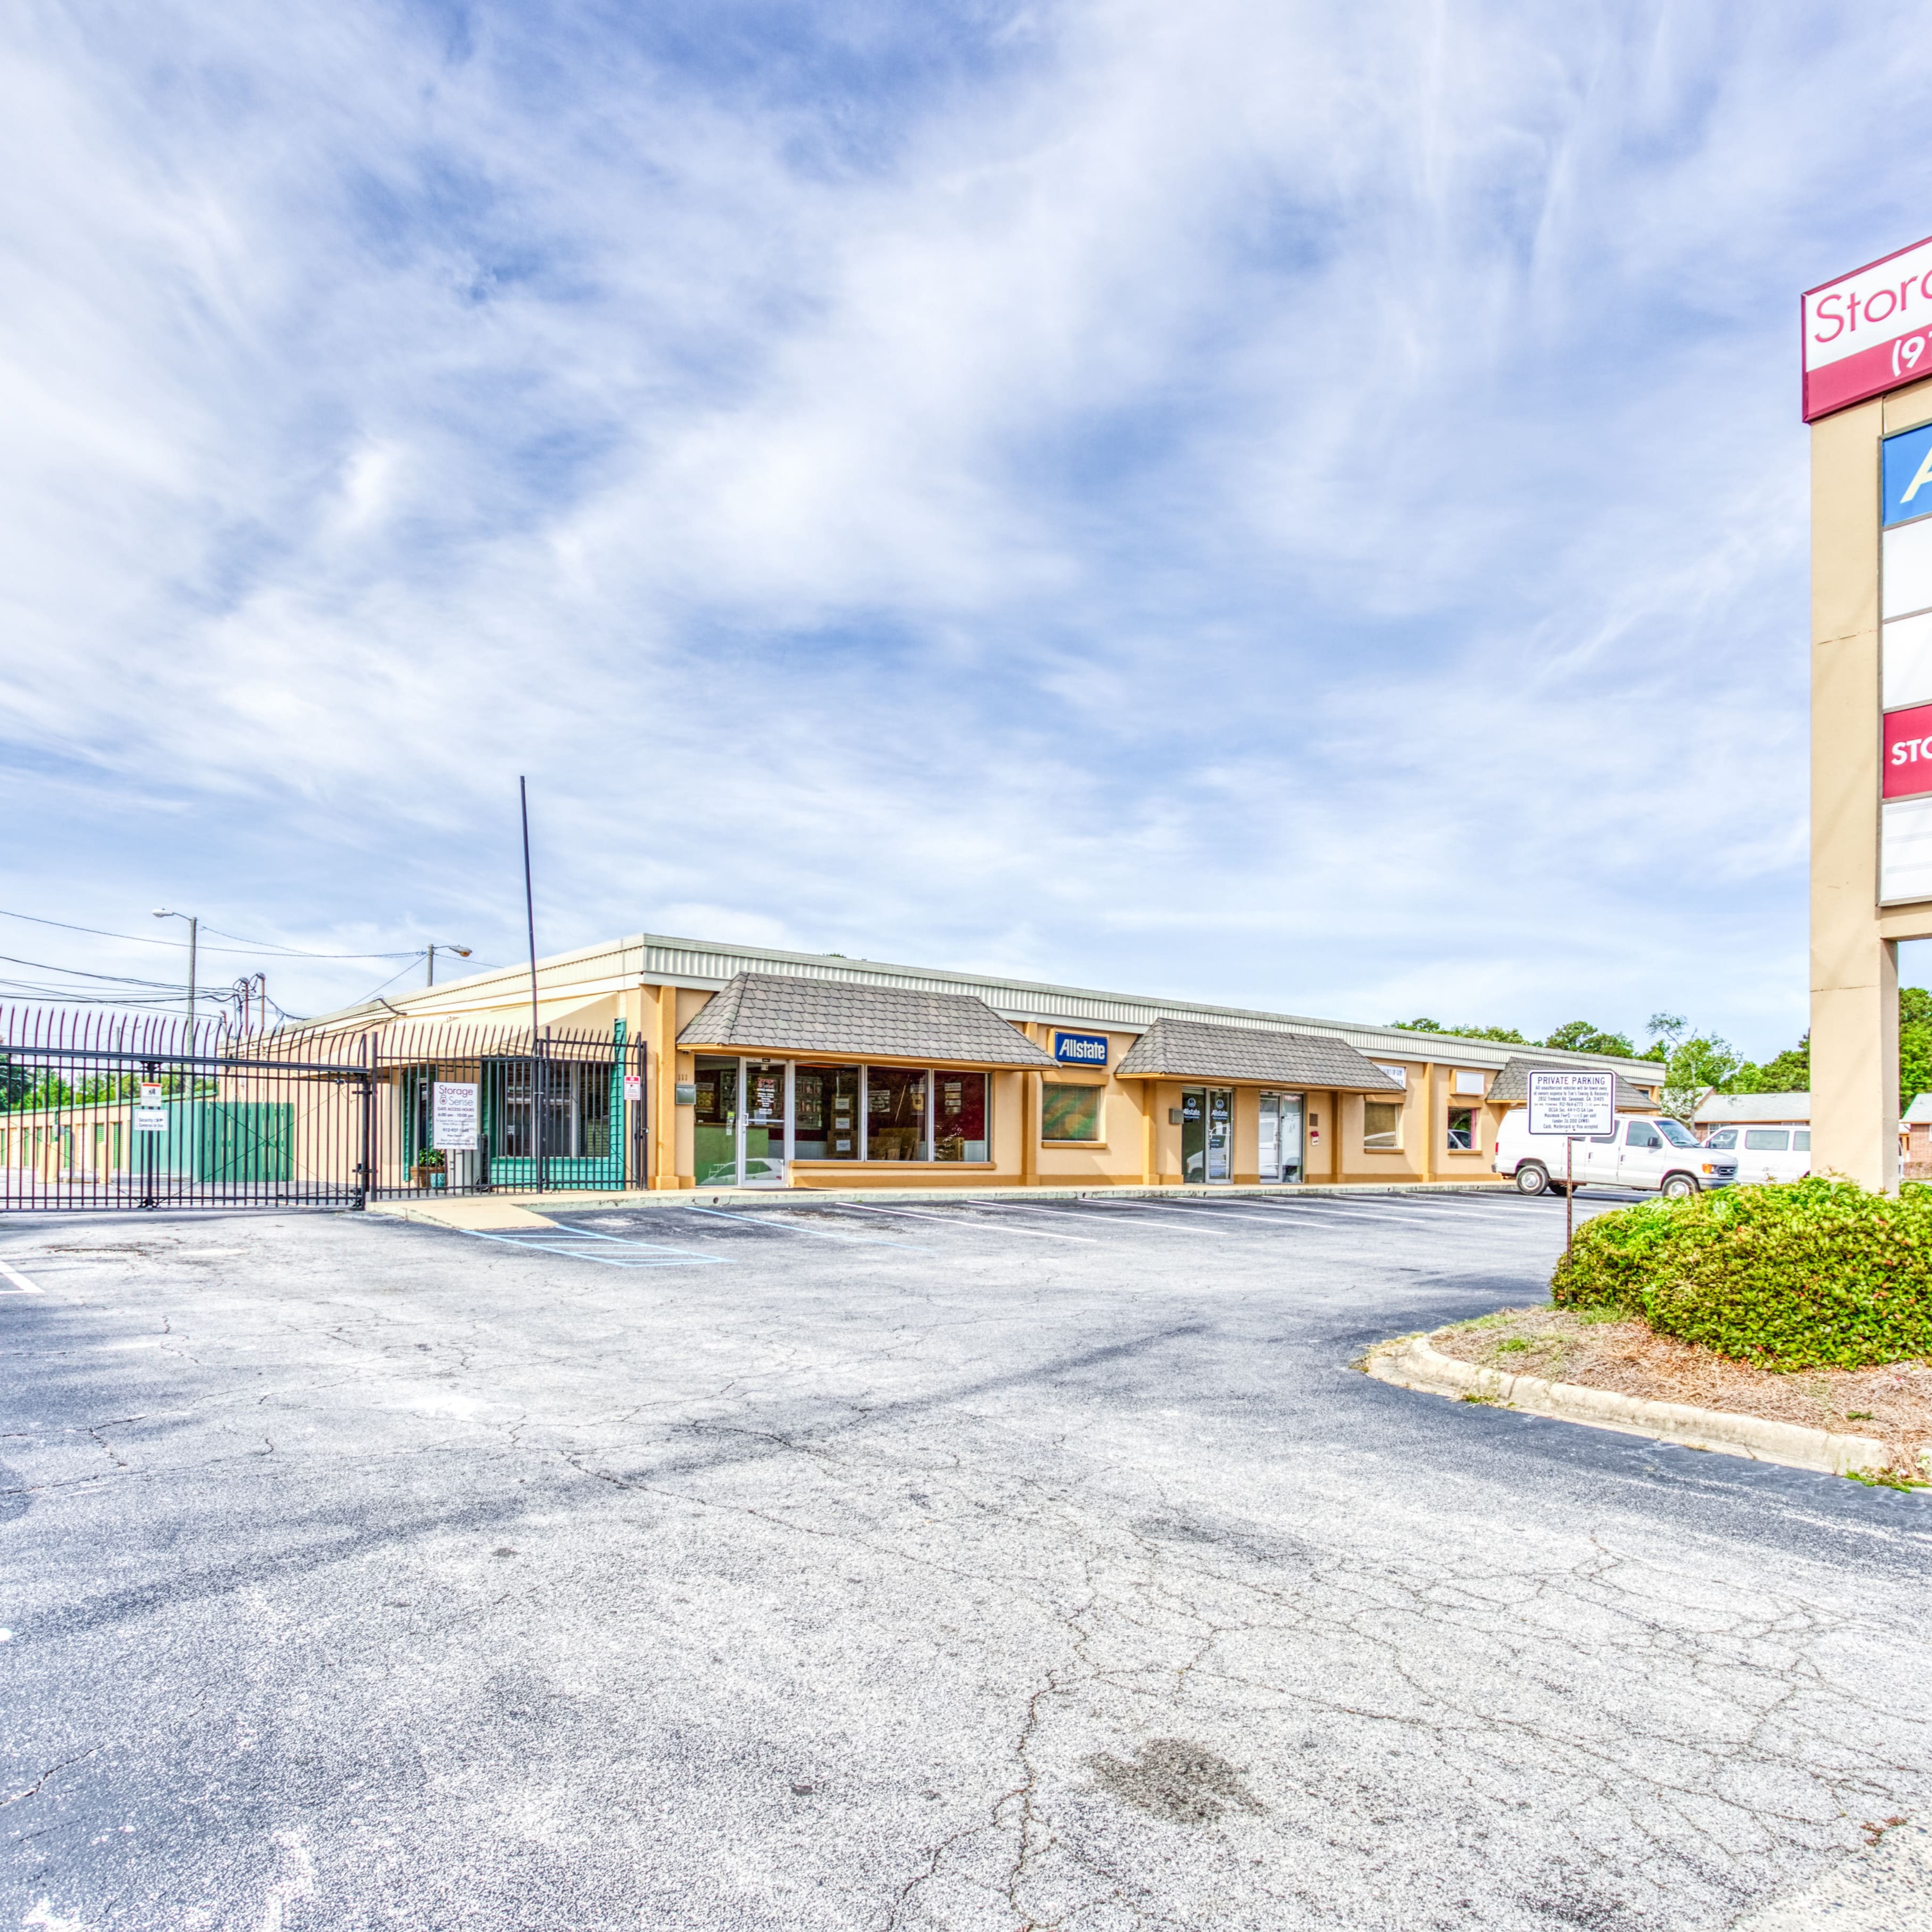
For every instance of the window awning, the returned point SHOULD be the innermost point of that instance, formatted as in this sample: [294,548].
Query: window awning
[837,1019]
[1199,1050]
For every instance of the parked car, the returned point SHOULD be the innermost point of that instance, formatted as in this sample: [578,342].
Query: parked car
[1766,1154]
[1648,1151]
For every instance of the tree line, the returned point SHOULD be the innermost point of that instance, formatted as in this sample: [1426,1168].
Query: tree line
[1694,1061]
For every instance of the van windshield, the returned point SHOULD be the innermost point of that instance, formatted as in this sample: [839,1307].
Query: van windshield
[1676,1133]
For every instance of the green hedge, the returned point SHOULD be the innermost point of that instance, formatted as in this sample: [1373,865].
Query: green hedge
[1811,1274]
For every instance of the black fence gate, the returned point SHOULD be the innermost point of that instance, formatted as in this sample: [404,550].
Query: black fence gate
[102,1110]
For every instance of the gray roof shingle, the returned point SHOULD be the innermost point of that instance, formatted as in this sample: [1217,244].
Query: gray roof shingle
[1511,1087]
[775,1013]
[1199,1050]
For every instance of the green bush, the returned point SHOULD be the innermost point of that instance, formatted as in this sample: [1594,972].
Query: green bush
[1811,1274]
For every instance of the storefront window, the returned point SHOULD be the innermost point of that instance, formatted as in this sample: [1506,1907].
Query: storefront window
[576,1108]
[1381,1127]
[1462,1129]
[715,1123]
[959,1116]
[1070,1113]
[827,1103]
[895,1113]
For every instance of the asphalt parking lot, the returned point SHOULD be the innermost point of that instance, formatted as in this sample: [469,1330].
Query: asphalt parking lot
[998,1566]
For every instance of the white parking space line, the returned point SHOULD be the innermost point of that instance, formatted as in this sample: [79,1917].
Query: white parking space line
[1200,1216]
[1004,1207]
[22,1286]
[772,1226]
[1312,1216]
[586,1245]
[1127,1215]
[966,1221]
[1357,1214]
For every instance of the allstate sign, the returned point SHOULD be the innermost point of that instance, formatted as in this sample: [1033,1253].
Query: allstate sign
[1080,1049]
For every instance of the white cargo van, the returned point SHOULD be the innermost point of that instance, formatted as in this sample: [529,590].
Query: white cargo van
[1649,1151]
[1765,1154]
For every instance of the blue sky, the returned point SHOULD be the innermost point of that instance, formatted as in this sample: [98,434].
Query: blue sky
[1297,505]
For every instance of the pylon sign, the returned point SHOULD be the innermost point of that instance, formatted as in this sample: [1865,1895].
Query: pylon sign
[1867,332]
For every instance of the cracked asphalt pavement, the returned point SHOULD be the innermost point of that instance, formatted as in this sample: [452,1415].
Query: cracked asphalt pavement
[968,1566]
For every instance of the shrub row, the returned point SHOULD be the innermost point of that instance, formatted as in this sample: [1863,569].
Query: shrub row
[1811,1274]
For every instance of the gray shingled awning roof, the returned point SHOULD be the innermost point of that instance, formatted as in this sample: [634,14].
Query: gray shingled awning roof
[771,1012]
[1199,1050]
[1511,1087]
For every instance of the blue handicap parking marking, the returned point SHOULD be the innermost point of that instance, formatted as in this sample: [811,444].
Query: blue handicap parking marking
[586,1244]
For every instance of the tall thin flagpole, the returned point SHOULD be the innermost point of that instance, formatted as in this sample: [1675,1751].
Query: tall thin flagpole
[536,1063]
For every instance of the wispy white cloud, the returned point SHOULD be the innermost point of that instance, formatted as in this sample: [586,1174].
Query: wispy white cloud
[1294,504]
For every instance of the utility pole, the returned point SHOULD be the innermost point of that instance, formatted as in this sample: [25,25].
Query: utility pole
[193,941]
[536,1058]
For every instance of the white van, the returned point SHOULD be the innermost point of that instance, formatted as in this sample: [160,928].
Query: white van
[1649,1151]
[1766,1154]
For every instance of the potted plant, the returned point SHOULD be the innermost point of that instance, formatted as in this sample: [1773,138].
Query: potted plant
[429,1168]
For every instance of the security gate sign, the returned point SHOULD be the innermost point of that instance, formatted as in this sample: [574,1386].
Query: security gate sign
[453,1116]
[150,1111]
[1572,1105]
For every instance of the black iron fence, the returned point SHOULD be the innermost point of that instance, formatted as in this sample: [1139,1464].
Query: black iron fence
[107,1110]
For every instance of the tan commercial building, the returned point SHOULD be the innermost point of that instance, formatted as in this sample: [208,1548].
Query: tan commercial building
[776,1068]
[1866,338]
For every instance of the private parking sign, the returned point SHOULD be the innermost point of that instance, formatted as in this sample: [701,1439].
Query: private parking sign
[1572,1105]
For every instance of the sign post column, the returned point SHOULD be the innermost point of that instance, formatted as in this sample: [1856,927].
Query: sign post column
[1572,1105]
[1866,356]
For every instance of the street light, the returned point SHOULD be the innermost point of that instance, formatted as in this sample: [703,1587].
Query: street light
[461,952]
[193,938]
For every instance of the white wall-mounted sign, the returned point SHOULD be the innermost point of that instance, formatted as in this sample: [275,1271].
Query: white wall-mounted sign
[1572,1105]
[1399,1075]
[1471,1080]
[453,1116]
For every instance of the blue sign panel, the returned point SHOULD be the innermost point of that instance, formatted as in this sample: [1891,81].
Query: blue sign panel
[1089,1049]
[1908,475]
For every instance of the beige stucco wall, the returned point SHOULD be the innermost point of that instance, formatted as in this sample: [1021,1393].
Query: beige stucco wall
[1136,1118]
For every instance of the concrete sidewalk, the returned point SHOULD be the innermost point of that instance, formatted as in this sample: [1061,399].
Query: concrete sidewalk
[574,1201]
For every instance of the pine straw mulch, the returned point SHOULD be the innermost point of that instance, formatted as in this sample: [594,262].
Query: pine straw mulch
[1892,1405]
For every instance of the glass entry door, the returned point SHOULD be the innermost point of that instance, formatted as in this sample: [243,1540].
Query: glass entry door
[1220,1133]
[1280,1137]
[738,1130]
[1207,1133]
[1193,1134]
[761,1160]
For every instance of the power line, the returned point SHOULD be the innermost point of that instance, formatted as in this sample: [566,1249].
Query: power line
[389,981]
[297,953]
[248,945]
[111,979]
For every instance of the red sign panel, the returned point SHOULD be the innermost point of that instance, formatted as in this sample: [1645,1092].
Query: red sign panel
[1867,332]
[1908,751]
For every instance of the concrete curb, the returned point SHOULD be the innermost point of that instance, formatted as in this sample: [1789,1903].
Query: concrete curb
[564,1200]
[1410,1362]
[471,1213]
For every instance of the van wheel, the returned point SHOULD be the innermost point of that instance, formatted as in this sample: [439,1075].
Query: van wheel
[1679,1187]
[1532,1179]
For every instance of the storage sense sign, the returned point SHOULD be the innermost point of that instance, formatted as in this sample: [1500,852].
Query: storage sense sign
[1867,332]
